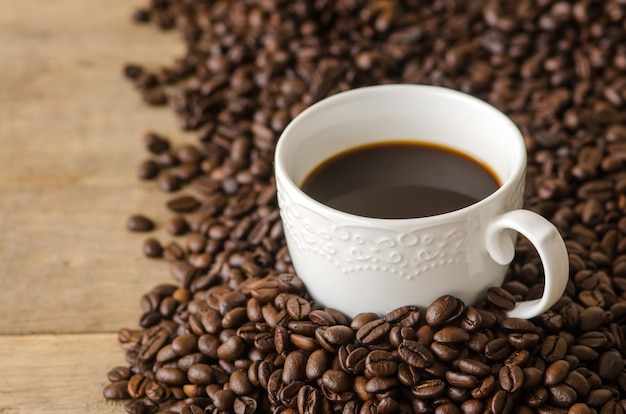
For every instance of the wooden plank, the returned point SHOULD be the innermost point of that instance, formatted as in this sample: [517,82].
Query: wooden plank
[57,373]
[70,129]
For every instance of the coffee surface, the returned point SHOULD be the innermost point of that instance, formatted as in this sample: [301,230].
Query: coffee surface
[400,179]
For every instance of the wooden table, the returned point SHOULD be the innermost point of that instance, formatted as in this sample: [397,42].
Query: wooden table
[70,142]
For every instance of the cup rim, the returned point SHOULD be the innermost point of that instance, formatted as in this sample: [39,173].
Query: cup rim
[284,179]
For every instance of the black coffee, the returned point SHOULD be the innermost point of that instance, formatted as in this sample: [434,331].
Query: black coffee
[400,179]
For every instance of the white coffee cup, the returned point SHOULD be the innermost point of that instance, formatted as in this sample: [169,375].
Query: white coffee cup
[359,264]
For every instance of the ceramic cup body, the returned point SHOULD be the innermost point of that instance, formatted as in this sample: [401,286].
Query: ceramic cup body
[359,264]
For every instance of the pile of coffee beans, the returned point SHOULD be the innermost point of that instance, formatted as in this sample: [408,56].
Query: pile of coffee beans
[236,330]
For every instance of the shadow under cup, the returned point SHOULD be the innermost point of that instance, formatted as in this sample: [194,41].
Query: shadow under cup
[358,264]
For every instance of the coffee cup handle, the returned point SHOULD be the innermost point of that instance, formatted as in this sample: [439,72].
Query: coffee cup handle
[550,246]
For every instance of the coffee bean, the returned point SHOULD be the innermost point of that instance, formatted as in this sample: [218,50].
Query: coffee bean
[380,363]
[451,334]
[610,365]
[511,378]
[152,248]
[170,376]
[139,223]
[462,380]
[339,335]
[116,390]
[317,363]
[500,298]
[148,170]
[336,380]
[556,372]
[168,182]
[485,388]
[231,349]
[155,143]
[311,401]
[295,367]
[183,204]
[473,367]
[355,360]
[562,395]
[415,354]
[497,349]
[429,389]
[553,348]
[406,316]
[501,402]
[244,405]
[443,309]
[157,392]
[373,331]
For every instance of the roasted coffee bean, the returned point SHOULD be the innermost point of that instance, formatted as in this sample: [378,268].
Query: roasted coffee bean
[336,380]
[183,204]
[517,325]
[462,380]
[445,352]
[152,342]
[497,349]
[553,348]
[317,363]
[116,390]
[415,354]
[473,367]
[500,298]
[295,367]
[408,375]
[373,331]
[177,225]
[185,344]
[380,363]
[200,374]
[562,395]
[140,223]
[231,349]
[245,405]
[501,402]
[119,374]
[168,182]
[298,308]
[485,388]
[354,361]
[451,334]
[578,383]
[170,376]
[338,335]
[148,170]
[311,401]
[155,143]
[381,385]
[610,365]
[405,316]
[443,309]
[511,377]
[556,372]
[137,386]
[361,319]
[152,248]
[157,392]
[141,406]
[429,389]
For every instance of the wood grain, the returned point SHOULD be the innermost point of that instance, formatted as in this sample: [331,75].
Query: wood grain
[70,142]
[57,373]
[70,128]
